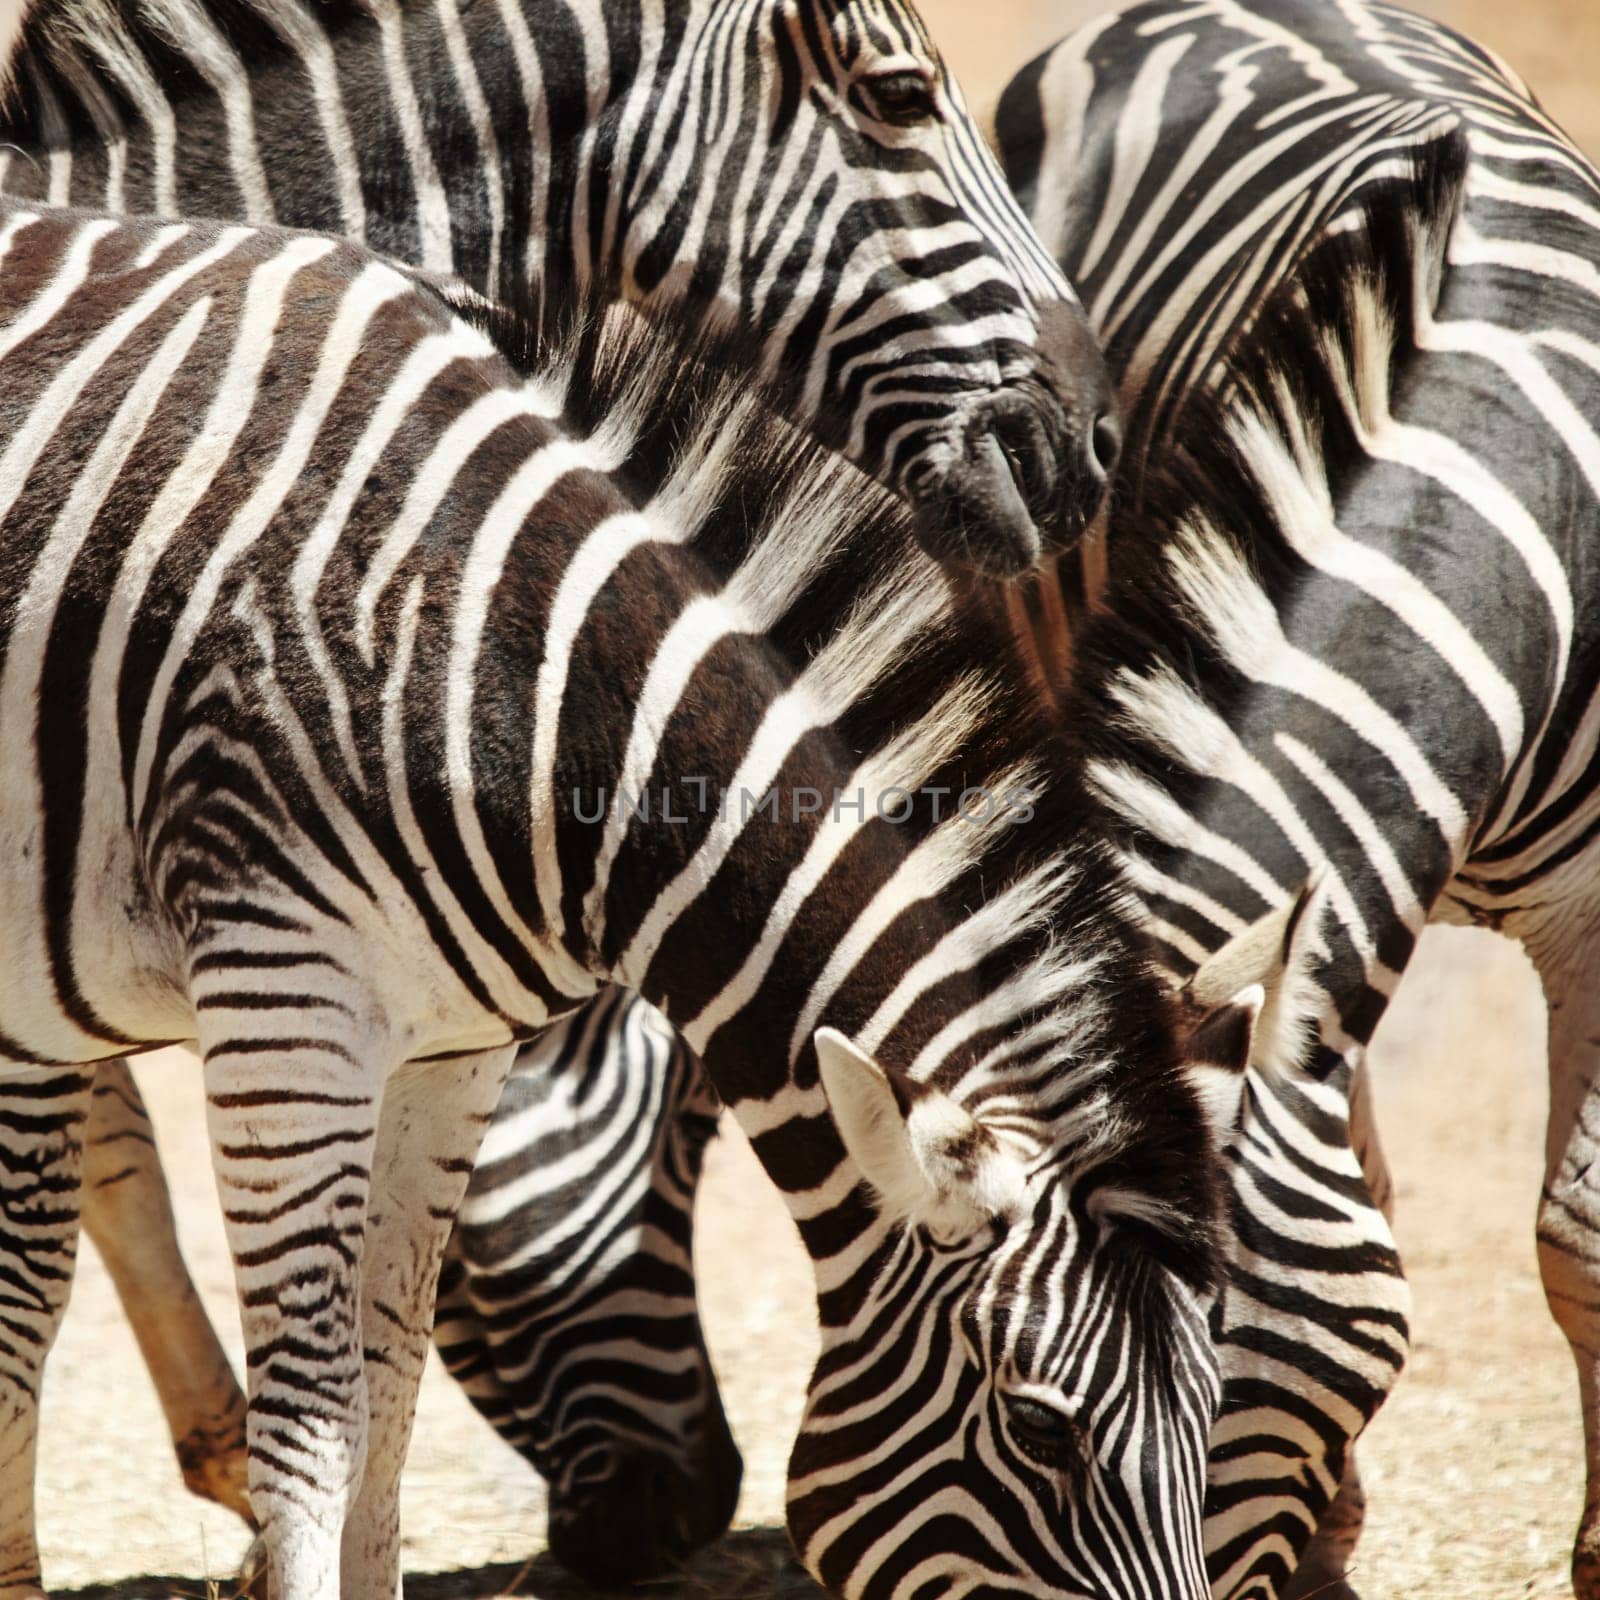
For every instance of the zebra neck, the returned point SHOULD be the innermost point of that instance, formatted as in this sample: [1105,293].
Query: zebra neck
[752,946]
[1293,682]
[457,139]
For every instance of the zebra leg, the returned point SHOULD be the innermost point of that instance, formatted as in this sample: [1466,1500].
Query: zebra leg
[293,1120]
[567,1303]
[1321,1572]
[433,1120]
[42,1113]
[127,1212]
[1326,1559]
[1569,1217]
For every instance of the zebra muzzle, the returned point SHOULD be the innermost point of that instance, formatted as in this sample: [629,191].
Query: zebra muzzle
[1027,482]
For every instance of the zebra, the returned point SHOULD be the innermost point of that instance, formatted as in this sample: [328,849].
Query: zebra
[1340,617]
[566,1306]
[805,169]
[870,243]
[303,762]
[468,1349]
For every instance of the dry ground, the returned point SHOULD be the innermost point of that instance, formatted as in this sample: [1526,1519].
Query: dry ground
[1473,1467]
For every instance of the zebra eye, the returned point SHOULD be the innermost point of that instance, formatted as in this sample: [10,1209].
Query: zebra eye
[902,98]
[1047,1437]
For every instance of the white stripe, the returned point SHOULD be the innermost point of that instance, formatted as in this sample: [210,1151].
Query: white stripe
[432,480]
[1192,733]
[883,624]
[530,77]
[906,762]
[1249,632]
[375,287]
[504,992]
[126,64]
[59,288]
[1354,815]
[605,549]
[402,392]
[1307,526]
[214,58]
[480,574]
[299,28]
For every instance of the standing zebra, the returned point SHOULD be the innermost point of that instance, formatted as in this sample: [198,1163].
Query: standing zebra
[1343,260]
[805,170]
[478,1329]
[315,618]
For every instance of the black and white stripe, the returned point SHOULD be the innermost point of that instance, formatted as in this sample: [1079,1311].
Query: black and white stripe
[884,267]
[315,626]
[1346,271]
[567,1298]
[806,172]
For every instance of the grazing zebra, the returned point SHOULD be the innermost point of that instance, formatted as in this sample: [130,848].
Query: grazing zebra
[804,170]
[567,1298]
[1346,271]
[329,640]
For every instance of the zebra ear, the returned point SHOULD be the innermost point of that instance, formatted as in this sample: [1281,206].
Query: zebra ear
[1216,1054]
[930,1161]
[1277,954]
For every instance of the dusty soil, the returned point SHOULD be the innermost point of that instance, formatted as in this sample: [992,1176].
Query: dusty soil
[1474,1468]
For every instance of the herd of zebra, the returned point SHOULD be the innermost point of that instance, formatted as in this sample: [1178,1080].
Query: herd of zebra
[440,682]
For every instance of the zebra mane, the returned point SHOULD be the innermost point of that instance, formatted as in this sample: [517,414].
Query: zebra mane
[1198,583]
[1072,1038]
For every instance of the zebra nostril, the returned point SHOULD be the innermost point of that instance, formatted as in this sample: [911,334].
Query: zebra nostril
[1105,442]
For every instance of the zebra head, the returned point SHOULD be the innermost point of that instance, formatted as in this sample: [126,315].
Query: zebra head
[1019,1396]
[829,191]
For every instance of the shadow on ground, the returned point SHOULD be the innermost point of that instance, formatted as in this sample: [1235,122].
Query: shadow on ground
[751,1564]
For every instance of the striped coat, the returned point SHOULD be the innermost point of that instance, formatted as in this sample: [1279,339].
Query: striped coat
[808,173]
[314,632]
[1348,623]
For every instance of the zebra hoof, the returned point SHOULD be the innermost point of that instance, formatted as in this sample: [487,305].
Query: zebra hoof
[215,1467]
[647,1516]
